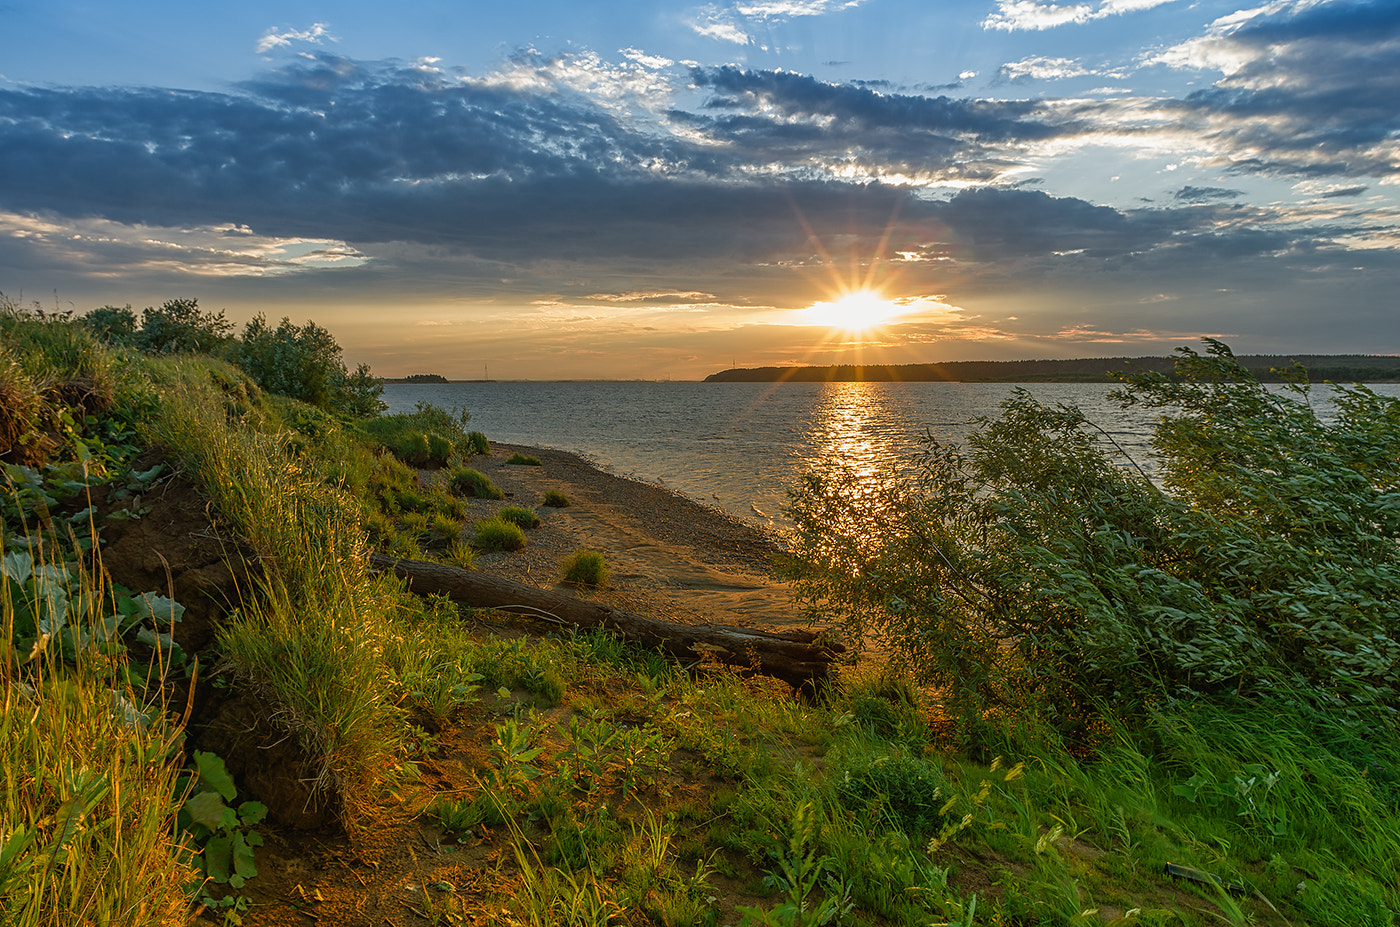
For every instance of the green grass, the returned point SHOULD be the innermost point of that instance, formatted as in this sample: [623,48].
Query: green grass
[523,460]
[470,482]
[493,534]
[555,499]
[586,568]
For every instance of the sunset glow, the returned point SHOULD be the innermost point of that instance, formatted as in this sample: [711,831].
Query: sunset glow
[858,311]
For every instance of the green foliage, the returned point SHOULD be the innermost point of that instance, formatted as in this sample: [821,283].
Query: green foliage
[470,482]
[1034,569]
[221,829]
[427,437]
[524,460]
[179,327]
[477,443]
[555,499]
[304,362]
[496,534]
[902,790]
[519,515]
[111,325]
[586,568]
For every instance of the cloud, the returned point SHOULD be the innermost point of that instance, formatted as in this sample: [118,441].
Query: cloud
[1040,68]
[273,39]
[789,9]
[715,23]
[1191,194]
[1035,15]
[734,22]
[1306,88]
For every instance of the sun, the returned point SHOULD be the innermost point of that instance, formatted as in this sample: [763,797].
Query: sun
[855,311]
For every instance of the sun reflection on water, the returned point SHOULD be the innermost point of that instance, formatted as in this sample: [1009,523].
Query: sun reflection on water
[854,427]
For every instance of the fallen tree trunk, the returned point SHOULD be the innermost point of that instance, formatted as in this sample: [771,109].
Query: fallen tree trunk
[795,657]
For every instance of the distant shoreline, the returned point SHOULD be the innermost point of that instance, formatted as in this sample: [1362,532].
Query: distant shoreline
[1351,368]
[1341,368]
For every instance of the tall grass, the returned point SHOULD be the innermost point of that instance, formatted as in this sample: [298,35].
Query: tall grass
[314,632]
[88,773]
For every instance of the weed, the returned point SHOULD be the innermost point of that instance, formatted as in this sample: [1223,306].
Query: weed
[524,460]
[220,828]
[477,444]
[555,499]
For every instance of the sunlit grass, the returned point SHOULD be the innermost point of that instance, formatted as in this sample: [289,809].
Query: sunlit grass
[88,769]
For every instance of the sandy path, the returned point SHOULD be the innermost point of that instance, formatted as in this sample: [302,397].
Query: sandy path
[669,557]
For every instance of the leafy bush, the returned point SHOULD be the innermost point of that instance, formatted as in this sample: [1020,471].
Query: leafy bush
[179,327]
[477,444]
[519,515]
[497,534]
[304,362]
[474,483]
[111,324]
[555,499]
[586,568]
[524,460]
[1033,568]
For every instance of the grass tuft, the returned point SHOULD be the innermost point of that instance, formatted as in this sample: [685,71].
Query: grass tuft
[497,534]
[524,460]
[519,515]
[555,499]
[471,482]
[586,568]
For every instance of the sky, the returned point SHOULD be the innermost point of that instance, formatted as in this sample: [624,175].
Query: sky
[550,190]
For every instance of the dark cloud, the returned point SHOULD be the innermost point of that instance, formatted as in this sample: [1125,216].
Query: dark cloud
[1344,192]
[1191,194]
[1315,93]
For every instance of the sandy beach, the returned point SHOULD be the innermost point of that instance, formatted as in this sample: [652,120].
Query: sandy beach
[668,556]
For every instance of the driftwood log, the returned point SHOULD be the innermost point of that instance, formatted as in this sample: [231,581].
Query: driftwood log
[795,657]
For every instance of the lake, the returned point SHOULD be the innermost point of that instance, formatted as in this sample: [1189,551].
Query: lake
[740,446]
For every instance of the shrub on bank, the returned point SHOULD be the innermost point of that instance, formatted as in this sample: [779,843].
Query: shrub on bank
[555,499]
[523,460]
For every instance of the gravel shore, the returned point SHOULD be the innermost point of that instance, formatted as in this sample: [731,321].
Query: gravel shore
[668,556]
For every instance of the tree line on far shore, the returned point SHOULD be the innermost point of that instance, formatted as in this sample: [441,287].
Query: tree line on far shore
[1267,368]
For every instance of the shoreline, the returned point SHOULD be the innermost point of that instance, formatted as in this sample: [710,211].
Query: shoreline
[669,556]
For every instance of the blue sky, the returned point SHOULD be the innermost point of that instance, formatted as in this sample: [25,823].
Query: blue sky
[664,190]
